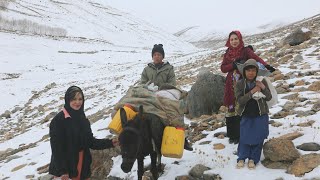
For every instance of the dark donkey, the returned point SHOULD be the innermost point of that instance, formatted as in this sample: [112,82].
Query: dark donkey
[140,137]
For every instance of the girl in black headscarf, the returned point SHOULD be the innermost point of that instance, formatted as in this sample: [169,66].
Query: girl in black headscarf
[71,138]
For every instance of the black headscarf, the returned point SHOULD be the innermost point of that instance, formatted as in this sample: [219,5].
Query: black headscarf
[77,123]
[70,94]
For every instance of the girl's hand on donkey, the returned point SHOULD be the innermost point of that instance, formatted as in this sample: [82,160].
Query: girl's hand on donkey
[65,177]
[115,142]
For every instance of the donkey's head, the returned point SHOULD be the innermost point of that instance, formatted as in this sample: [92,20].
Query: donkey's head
[130,139]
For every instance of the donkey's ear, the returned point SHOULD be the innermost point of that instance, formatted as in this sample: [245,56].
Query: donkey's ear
[123,117]
[140,115]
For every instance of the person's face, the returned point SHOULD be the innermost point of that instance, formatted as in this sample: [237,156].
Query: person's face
[76,102]
[157,58]
[234,40]
[251,73]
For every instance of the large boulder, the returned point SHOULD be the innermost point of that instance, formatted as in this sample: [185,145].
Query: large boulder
[279,149]
[206,95]
[102,162]
[297,37]
[312,146]
[304,164]
[198,170]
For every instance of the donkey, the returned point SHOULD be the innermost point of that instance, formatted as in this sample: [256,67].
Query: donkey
[140,137]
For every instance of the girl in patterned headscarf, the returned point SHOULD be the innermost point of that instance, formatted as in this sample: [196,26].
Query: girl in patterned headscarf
[236,52]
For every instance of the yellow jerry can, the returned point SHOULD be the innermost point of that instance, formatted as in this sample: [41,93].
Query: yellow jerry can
[172,142]
[115,124]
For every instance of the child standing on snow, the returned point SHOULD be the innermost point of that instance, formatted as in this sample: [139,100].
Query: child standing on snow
[236,52]
[254,127]
[71,138]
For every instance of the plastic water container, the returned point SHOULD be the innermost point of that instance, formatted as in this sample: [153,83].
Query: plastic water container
[115,125]
[172,142]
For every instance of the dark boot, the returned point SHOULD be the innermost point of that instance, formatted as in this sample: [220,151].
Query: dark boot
[187,146]
[236,129]
[233,129]
[229,126]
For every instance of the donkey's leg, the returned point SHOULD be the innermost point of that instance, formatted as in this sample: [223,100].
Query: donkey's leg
[159,166]
[140,167]
[154,169]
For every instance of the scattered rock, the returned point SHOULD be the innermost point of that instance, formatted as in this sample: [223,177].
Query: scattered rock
[221,136]
[300,83]
[212,177]
[185,177]
[6,114]
[102,162]
[297,37]
[46,177]
[16,109]
[18,167]
[197,170]
[309,146]
[275,165]
[48,117]
[43,169]
[280,115]
[306,124]
[147,175]
[302,99]
[316,106]
[276,124]
[285,59]
[304,164]
[291,136]
[281,90]
[29,176]
[203,100]
[315,86]
[12,157]
[303,114]
[280,150]
[198,137]
[218,146]
[288,106]
[204,142]
[313,41]
[280,178]
[220,133]
[41,108]
[278,77]
[298,58]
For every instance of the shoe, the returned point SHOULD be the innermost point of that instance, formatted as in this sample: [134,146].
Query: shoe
[231,141]
[251,164]
[240,164]
[187,145]
[235,152]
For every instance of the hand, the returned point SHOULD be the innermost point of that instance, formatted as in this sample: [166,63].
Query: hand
[234,65]
[238,60]
[255,89]
[65,177]
[115,142]
[270,68]
[260,84]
